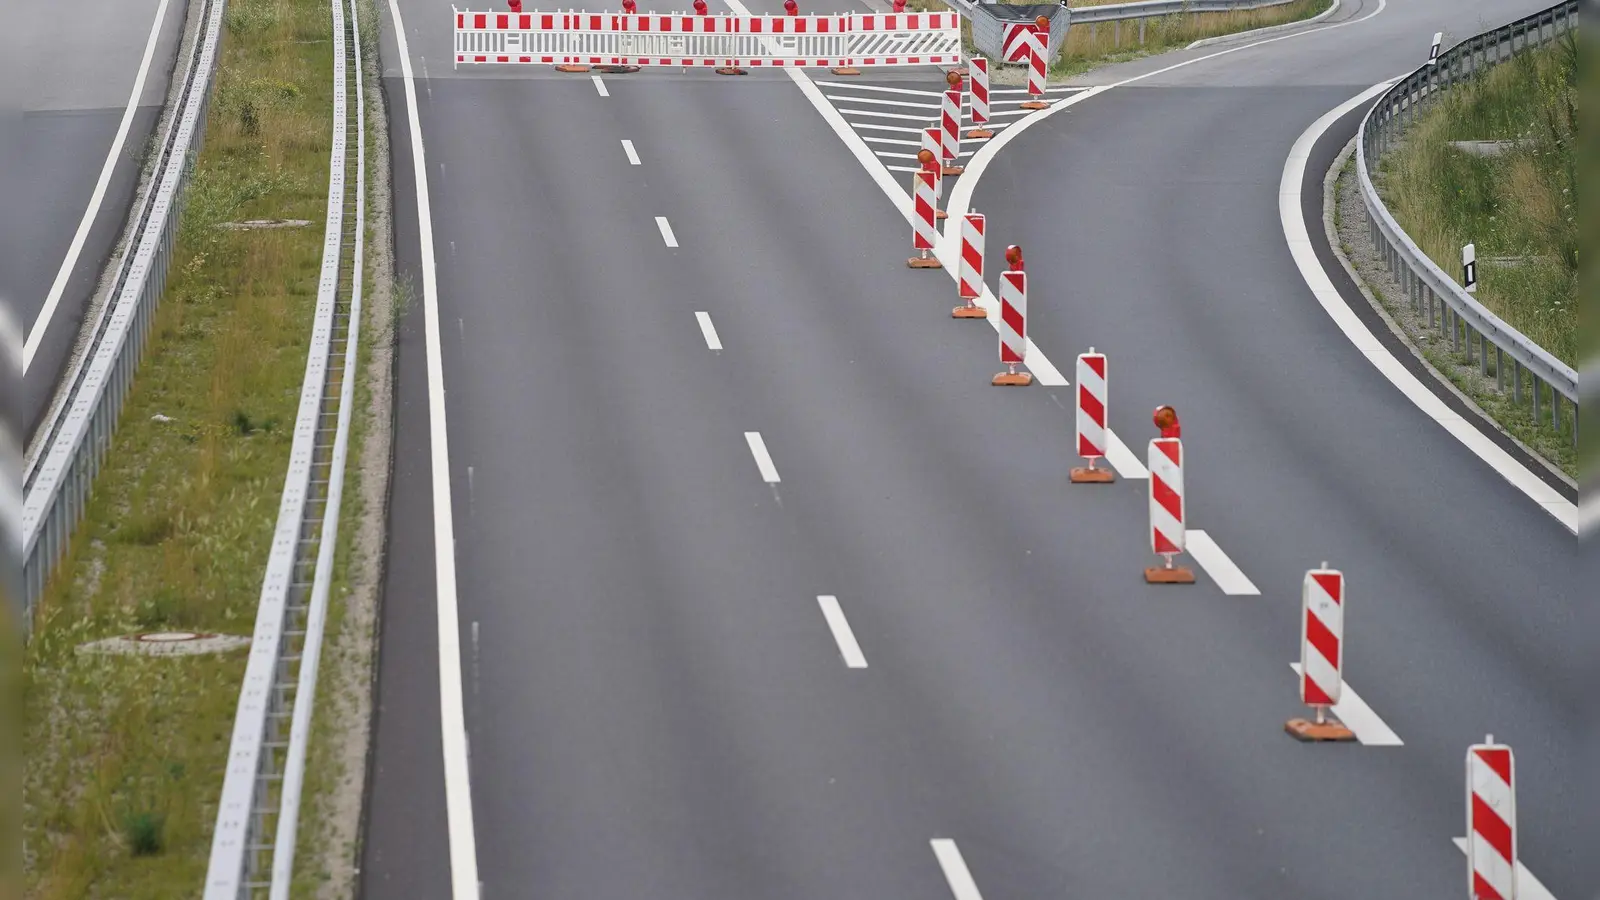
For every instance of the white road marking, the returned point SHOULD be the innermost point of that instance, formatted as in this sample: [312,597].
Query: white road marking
[1222,570]
[464,883]
[846,639]
[903,168]
[1359,717]
[873,87]
[633,155]
[52,300]
[709,330]
[903,104]
[901,129]
[895,142]
[1528,887]
[931,117]
[758,449]
[1122,459]
[887,154]
[666,231]
[1301,248]
[1048,90]
[955,869]
[600,86]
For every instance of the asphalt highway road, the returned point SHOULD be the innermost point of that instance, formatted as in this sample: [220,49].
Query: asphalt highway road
[655,703]
[70,71]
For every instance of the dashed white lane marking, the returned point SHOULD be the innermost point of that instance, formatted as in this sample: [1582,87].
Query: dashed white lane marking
[842,635]
[1222,570]
[1305,257]
[708,330]
[600,86]
[834,85]
[666,231]
[1528,887]
[955,869]
[758,449]
[633,155]
[464,884]
[1354,712]
[930,117]
[52,300]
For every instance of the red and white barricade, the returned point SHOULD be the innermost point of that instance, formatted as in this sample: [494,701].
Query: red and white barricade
[1322,596]
[924,233]
[950,126]
[969,283]
[1013,328]
[978,98]
[933,142]
[1091,418]
[1014,41]
[718,40]
[1491,821]
[1168,526]
[1037,64]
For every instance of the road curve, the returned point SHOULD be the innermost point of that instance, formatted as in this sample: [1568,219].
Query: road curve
[657,701]
[71,74]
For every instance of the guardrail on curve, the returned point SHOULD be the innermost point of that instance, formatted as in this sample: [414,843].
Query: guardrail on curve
[1449,308]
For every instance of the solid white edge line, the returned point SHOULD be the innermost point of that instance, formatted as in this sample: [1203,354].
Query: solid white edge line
[1360,718]
[633,155]
[1222,569]
[955,869]
[452,716]
[666,231]
[52,300]
[1298,239]
[1528,887]
[758,449]
[708,330]
[842,634]
[600,86]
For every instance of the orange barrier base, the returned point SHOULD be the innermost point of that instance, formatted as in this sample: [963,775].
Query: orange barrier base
[940,214]
[980,134]
[1012,379]
[572,67]
[968,312]
[1085,475]
[1164,575]
[1035,104]
[1309,732]
[619,70]
[952,170]
[845,70]
[924,262]
[730,70]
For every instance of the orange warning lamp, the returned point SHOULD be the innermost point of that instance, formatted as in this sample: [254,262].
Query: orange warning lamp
[630,7]
[1166,419]
[699,7]
[1014,257]
[1042,23]
[791,7]
[514,5]
[899,6]
[953,78]
[925,156]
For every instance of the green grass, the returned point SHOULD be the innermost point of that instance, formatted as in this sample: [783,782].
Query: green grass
[1520,206]
[126,753]
[1089,47]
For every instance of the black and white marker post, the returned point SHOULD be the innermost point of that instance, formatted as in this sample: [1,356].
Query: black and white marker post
[1433,52]
[1469,268]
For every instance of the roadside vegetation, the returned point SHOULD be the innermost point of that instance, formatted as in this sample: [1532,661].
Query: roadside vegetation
[1090,46]
[1519,206]
[126,753]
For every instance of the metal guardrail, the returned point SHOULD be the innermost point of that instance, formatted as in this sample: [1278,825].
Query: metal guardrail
[258,813]
[1149,9]
[57,485]
[1449,308]
[989,18]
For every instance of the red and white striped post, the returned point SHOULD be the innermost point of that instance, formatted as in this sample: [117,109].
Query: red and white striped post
[978,99]
[1168,523]
[1037,64]
[950,124]
[1321,654]
[1013,326]
[1491,821]
[933,142]
[1091,418]
[924,233]
[969,284]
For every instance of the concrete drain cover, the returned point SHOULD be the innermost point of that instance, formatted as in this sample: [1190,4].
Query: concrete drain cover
[167,643]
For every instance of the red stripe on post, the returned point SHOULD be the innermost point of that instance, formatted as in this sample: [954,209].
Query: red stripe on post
[1315,696]
[1092,405]
[1167,497]
[1499,760]
[1318,636]
[1331,584]
[1170,448]
[1483,890]
[1012,317]
[1487,824]
[1096,364]
[1163,545]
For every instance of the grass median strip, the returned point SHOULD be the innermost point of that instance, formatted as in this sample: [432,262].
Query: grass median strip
[1092,45]
[126,752]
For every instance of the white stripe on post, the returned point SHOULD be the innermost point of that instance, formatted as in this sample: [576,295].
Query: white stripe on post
[1167,511]
[951,116]
[969,285]
[978,90]
[1036,65]
[924,233]
[1013,317]
[1091,416]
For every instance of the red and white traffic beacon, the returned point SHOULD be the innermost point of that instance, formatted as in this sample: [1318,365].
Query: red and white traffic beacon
[1090,421]
[924,203]
[1013,322]
[1321,655]
[1168,512]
